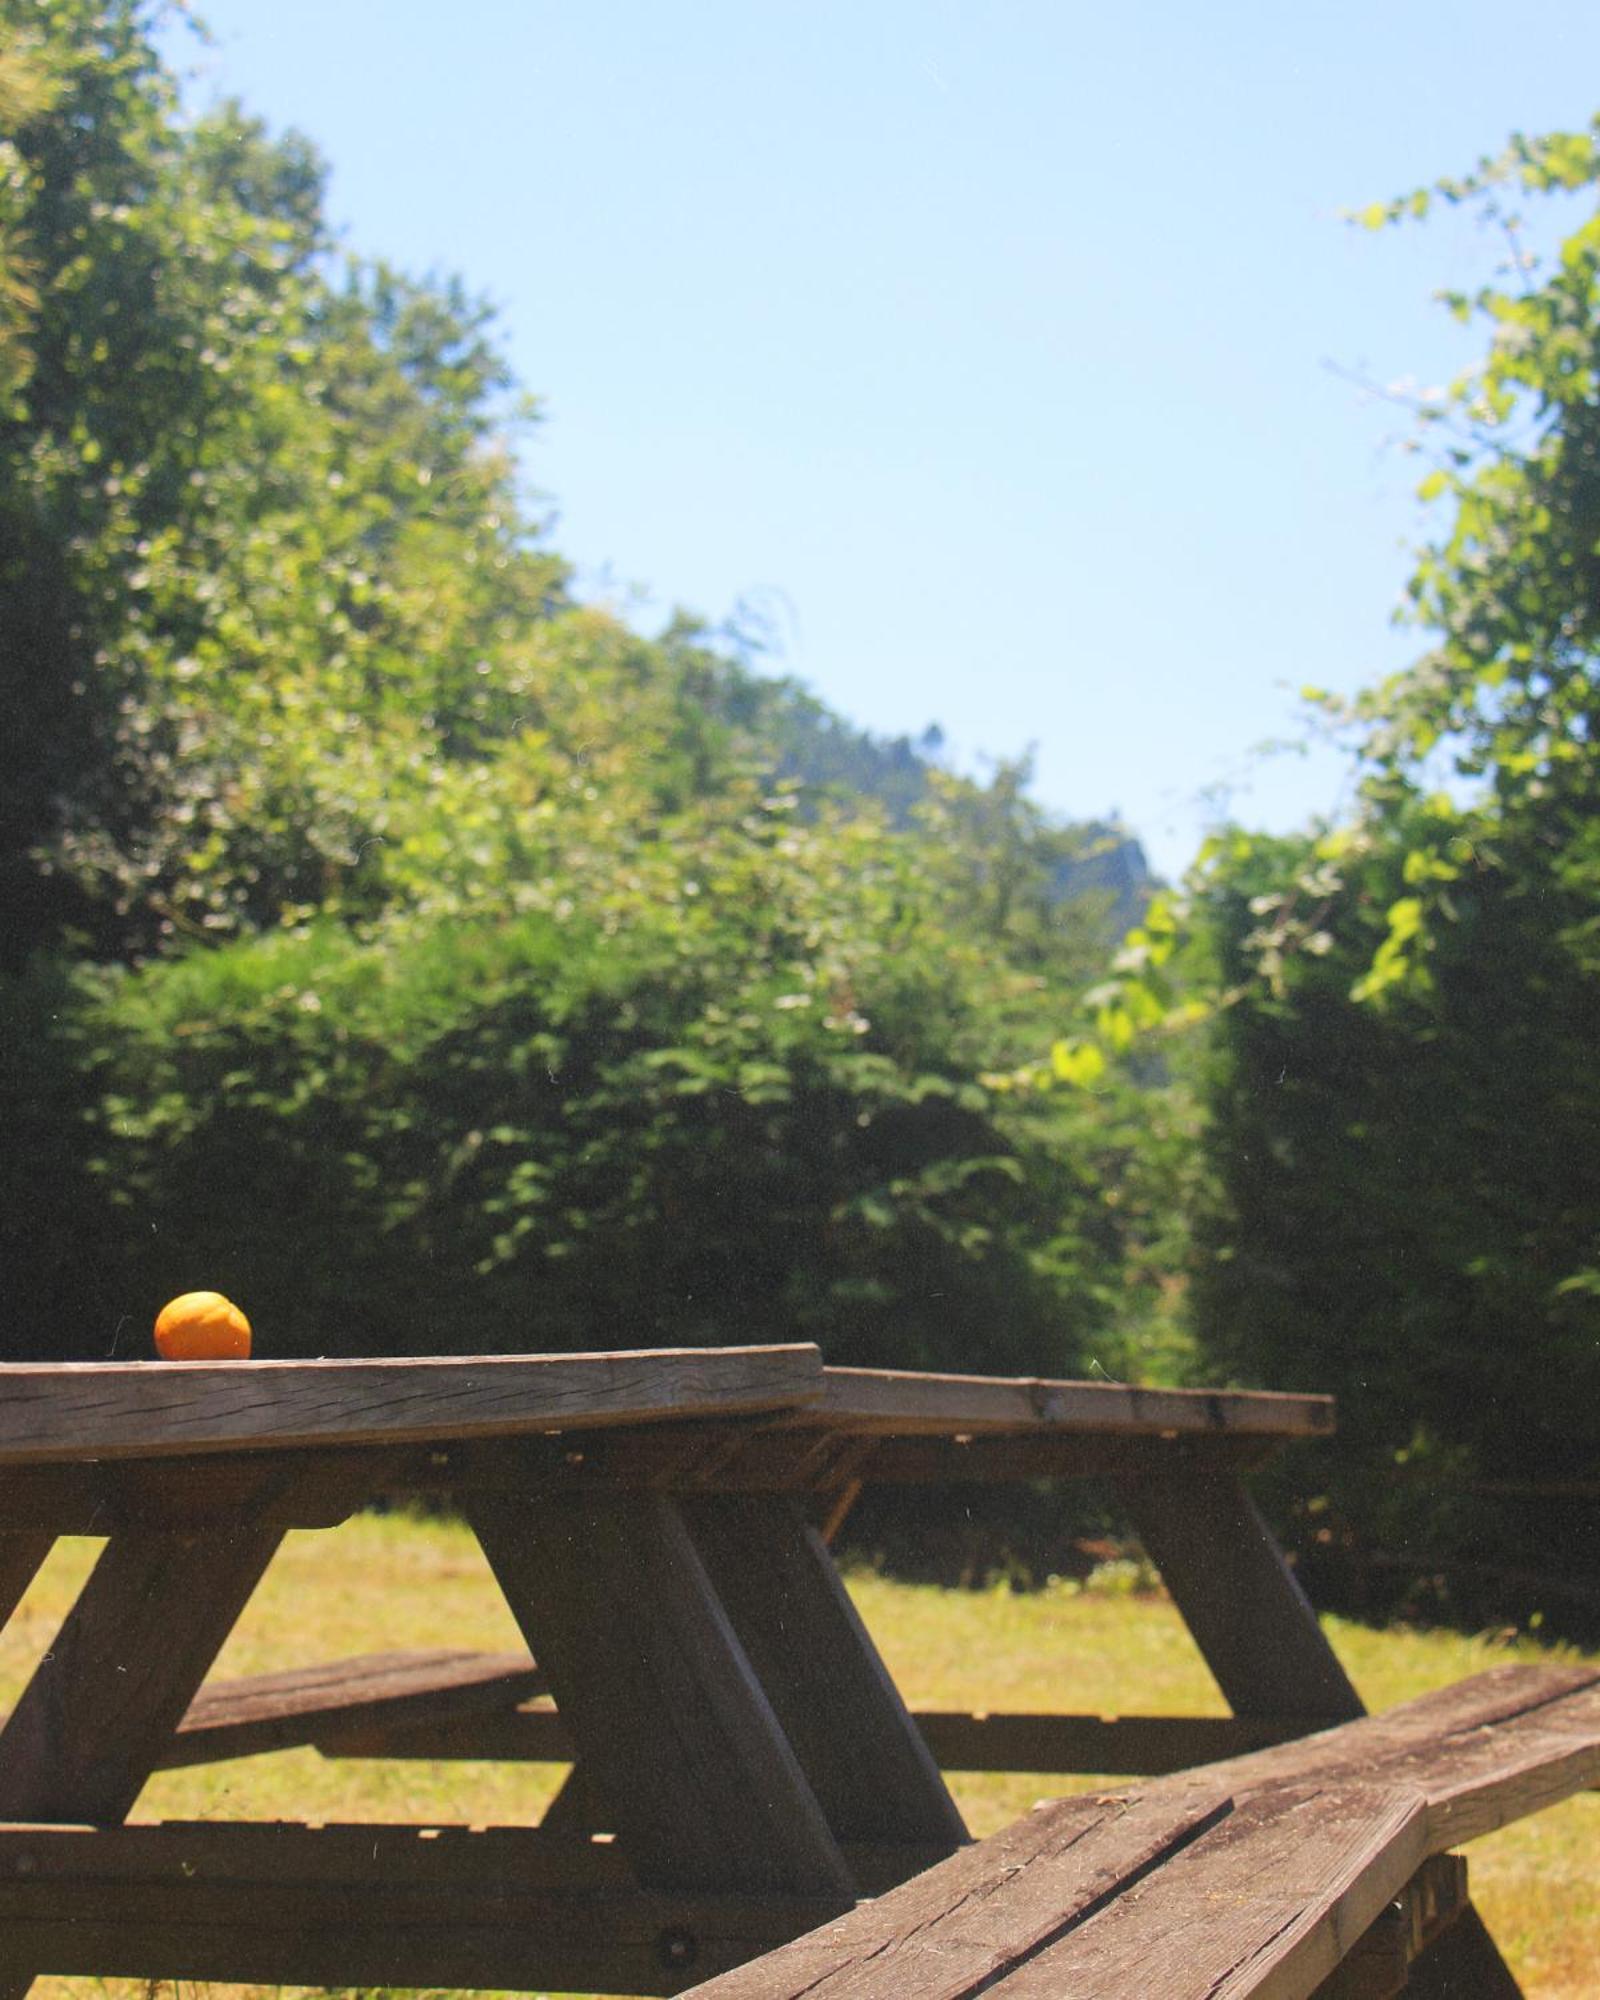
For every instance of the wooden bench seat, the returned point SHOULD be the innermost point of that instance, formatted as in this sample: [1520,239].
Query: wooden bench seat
[444,1705]
[1260,1876]
[368,1699]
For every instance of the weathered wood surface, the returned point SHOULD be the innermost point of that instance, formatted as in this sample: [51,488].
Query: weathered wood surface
[901,1402]
[120,1409]
[1289,1856]
[990,1906]
[1239,1598]
[373,1695]
[672,1725]
[90,1447]
[1482,1753]
[1180,1891]
[368,1905]
[1264,1904]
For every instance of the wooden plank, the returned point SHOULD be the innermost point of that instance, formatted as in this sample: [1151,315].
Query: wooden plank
[1239,1598]
[1308,1844]
[534,1734]
[366,1905]
[740,1452]
[103,1703]
[670,1722]
[375,1692]
[1127,1745]
[900,1402]
[947,1933]
[1264,1904]
[998,1457]
[871,1771]
[183,1493]
[71,1411]
[1482,1753]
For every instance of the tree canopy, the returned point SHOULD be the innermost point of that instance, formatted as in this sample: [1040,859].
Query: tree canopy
[1404,1089]
[409,947]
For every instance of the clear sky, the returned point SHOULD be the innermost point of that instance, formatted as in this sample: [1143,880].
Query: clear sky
[986,345]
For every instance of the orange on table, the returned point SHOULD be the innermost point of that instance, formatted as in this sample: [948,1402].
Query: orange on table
[202,1326]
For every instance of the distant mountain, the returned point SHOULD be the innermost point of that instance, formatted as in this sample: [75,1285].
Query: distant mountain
[821,749]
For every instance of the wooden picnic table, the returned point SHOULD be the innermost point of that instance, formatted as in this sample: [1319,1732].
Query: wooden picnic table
[743,1768]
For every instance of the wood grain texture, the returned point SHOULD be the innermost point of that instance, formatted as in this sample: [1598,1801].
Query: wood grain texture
[901,1402]
[670,1722]
[1239,1598]
[1304,1846]
[71,1411]
[871,1771]
[1482,1753]
[951,1931]
[1265,1904]
[374,1693]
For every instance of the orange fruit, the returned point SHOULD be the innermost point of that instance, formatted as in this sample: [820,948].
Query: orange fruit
[202,1326]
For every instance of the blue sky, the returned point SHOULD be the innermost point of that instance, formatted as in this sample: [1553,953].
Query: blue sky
[1002,352]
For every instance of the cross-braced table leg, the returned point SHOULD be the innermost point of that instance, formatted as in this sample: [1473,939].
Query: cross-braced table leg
[873,1774]
[105,1699]
[1240,1599]
[672,1725]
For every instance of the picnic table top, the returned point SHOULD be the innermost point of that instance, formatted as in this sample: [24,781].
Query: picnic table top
[65,1412]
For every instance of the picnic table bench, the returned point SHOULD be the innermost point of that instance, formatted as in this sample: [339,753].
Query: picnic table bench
[748,1789]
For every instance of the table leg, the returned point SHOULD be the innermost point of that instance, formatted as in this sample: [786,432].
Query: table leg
[105,1699]
[670,1722]
[1238,1596]
[873,1774]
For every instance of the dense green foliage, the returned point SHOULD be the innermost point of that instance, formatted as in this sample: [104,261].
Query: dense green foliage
[1406,1089]
[416,953]
[435,963]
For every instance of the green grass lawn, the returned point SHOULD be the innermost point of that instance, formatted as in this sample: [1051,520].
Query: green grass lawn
[1108,1648]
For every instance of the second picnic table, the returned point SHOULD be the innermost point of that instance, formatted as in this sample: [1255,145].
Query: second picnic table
[652,1518]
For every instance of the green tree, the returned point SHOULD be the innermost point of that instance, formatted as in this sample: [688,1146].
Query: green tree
[423,956]
[259,547]
[1405,1083]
